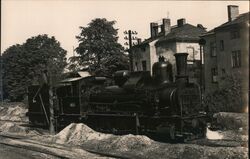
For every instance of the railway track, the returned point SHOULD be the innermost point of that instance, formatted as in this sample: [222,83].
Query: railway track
[57,150]
[15,121]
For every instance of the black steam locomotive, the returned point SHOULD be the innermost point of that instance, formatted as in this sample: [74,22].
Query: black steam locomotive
[137,103]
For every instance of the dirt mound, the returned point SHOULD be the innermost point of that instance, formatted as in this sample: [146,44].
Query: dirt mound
[153,150]
[232,121]
[225,152]
[129,142]
[12,128]
[138,146]
[234,135]
[77,134]
[13,112]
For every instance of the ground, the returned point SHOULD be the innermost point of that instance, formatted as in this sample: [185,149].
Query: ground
[228,141]
[9,152]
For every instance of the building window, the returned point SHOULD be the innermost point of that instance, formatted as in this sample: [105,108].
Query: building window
[221,45]
[136,66]
[191,55]
[214,75]
[144,65]
[236,59]
[235,34]
[213,49]
[223,71]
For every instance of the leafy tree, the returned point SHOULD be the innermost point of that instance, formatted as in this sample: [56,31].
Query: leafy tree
[23,64]
[98,48]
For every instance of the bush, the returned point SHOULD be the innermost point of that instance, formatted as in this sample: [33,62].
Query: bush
[228,98]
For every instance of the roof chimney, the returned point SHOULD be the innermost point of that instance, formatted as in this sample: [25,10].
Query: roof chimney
[181,22]
[153,29]
[166,26]
[201,26]
[233,12]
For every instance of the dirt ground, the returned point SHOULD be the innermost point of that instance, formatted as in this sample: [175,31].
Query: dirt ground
[229,142]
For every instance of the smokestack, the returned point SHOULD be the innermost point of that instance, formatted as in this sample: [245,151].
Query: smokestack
[181,22]
[181,65]
[153,29]
[166,26]
[233,12]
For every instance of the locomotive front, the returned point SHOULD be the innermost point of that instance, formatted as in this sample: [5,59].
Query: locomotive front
[139,103]
[178,111]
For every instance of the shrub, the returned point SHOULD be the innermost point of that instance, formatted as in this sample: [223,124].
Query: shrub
[226,99]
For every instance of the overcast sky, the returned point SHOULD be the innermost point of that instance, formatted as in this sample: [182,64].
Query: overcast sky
[22,19]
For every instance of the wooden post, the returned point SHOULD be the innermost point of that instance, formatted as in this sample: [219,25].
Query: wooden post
[51,110]
[48,81]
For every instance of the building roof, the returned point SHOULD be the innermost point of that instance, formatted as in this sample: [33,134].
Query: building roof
[71,79]
[240,19]
[187,32]
[149,40]
[84,73]
[67,80]
[210,32]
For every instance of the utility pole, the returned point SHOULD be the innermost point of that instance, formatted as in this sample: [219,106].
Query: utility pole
[202,42]
[130,43]
[48,81]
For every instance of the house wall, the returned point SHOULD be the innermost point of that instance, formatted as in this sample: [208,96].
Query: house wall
[231,45]
[145,53]
[193,49]
[140,54]
[224,58]
[209,63]
[153,55]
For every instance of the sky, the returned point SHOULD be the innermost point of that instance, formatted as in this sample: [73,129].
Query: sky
[22,19]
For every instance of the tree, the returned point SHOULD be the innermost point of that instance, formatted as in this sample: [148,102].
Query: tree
[23,64]
[98,48]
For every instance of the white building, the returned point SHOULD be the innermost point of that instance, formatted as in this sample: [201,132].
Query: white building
[166,40]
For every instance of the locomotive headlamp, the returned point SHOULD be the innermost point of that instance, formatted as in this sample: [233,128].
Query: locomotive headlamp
[72,105]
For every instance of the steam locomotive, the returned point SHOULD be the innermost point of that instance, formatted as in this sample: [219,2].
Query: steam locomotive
[137,103]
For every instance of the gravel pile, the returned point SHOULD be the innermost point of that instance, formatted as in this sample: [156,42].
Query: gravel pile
[13,128]
[13,112]
[138,146]
[130,142]
[232,121]
[77,134]
[12,116]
